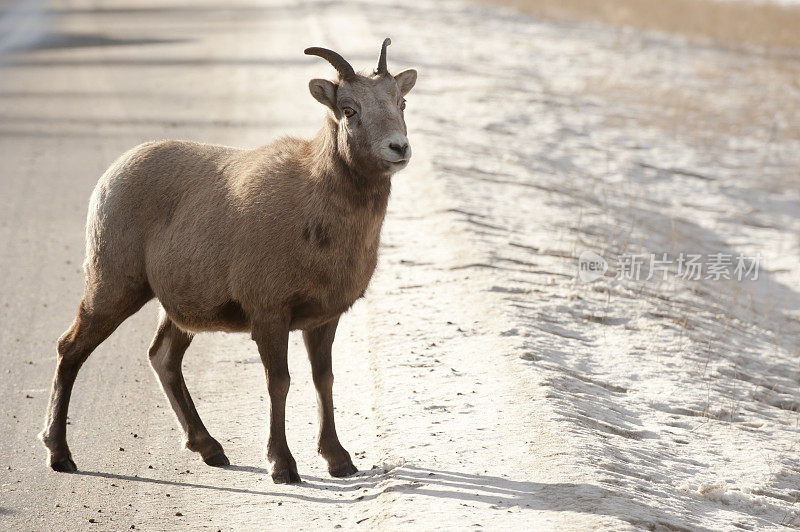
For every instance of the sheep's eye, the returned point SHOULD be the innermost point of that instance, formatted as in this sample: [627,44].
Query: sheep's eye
[348,111]
[403,105]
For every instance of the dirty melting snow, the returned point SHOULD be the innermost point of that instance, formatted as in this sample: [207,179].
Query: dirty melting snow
[678,398]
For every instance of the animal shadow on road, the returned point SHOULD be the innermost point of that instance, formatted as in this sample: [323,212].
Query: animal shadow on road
[420,482]
[412,481]
[369,484]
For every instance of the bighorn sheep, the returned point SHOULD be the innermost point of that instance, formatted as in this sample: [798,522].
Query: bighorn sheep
[266,241]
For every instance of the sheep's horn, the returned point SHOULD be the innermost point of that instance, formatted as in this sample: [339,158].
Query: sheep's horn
[382,59]
[338,62]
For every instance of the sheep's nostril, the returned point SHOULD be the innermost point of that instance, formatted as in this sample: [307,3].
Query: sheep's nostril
[399,148]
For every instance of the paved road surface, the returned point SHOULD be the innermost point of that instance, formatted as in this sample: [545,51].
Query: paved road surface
[98,79]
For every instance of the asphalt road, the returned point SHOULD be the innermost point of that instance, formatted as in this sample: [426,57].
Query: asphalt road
[80,84]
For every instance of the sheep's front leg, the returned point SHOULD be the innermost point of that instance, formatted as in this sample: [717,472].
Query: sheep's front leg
[272,337]
[319,343]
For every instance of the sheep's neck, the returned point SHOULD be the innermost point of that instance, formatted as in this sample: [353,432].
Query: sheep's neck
[361,188]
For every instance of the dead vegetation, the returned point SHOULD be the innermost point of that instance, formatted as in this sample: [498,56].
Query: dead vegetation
[724,23]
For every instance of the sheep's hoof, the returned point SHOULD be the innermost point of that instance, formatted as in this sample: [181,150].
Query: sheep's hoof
[64,466]
[218,460]
[285,476]
[344,470]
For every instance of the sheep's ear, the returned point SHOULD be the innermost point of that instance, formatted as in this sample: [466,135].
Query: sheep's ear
[324,92]
[406,80]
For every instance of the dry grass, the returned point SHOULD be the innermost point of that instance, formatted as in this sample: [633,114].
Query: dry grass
[758,99]
[728,24]
[681,113]
[760,103]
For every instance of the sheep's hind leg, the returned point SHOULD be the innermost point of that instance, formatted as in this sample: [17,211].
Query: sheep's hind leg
[93,324]
[166,355]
